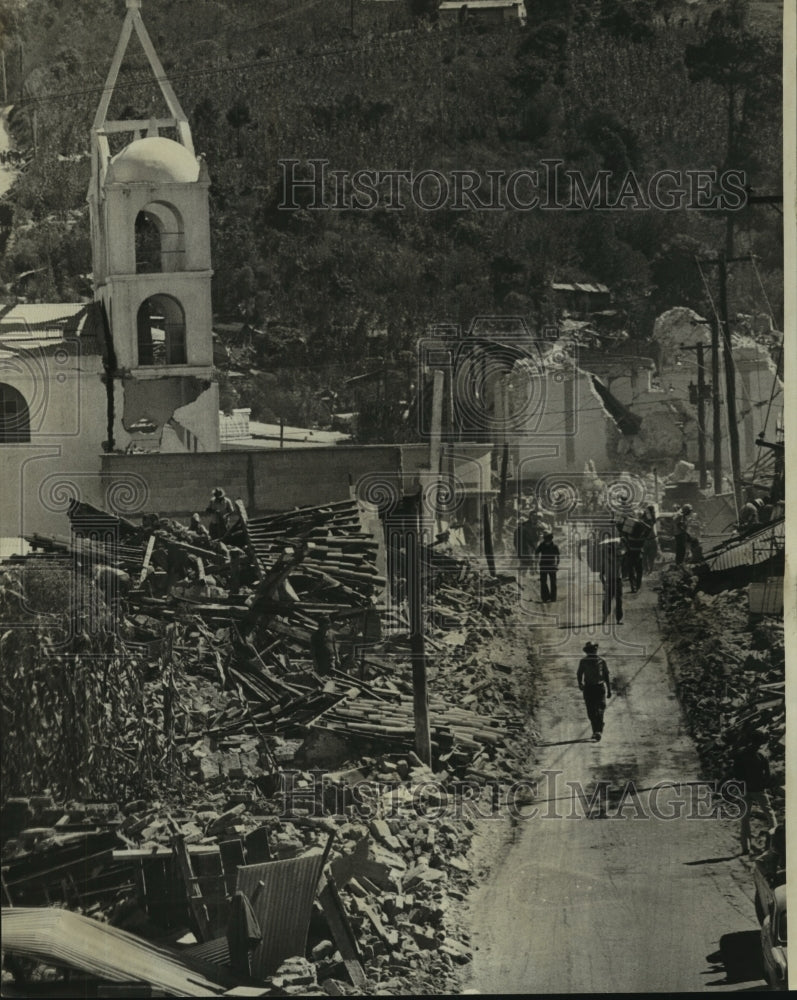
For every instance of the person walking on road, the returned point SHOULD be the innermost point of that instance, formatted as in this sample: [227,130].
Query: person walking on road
[548,553]
[634,546]
[526,535]
[594,684]
[612,559]
[751,769]
[650,549]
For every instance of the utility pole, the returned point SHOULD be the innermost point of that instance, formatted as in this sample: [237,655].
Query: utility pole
[701,412]
[716,427]
[415,602]
[730,383]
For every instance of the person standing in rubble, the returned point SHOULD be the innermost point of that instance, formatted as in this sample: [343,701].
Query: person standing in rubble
[682,533]
[595,686]
[198,531]
[748,516]
[323,648]
[221,510]
[548,554]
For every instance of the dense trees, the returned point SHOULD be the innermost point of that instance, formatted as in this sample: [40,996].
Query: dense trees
[616,85]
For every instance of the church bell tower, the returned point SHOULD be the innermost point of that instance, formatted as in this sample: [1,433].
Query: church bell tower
[150,235]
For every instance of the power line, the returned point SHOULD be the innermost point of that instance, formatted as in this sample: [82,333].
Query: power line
[384,40]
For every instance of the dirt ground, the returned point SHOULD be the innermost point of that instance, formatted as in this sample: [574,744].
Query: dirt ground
[625,900]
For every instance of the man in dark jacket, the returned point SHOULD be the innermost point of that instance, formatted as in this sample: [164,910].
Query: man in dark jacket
[612,559]
[594,684]
[548,554]
[221,510]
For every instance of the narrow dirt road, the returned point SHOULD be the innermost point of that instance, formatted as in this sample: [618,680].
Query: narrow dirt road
[614,903]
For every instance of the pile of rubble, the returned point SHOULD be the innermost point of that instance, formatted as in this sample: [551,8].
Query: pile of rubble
[280,762]
[730,674]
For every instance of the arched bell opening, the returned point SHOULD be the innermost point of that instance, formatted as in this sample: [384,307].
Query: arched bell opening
[161,332]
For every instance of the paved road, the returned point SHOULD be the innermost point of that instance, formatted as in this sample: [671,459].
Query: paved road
[609,904]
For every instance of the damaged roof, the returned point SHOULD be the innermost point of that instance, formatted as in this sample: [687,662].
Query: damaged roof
[59,937]
[29,326]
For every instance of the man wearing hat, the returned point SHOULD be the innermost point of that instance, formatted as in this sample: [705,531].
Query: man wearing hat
[548,553]
[593,682]
[221,510]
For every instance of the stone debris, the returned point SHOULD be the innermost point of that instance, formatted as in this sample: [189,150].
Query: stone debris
[264,755]
[730,675]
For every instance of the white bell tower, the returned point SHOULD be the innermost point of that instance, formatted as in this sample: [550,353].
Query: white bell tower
[150,235]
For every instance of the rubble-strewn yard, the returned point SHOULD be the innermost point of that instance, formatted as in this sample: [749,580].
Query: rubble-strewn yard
[730,674]
[166,734]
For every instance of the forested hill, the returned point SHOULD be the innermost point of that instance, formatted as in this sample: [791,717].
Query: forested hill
[618,85]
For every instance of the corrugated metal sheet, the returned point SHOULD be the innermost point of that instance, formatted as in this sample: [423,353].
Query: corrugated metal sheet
[281,894]
[756,548]
[765,597]
[62,938]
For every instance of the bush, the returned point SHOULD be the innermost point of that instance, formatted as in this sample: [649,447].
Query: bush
[77,717]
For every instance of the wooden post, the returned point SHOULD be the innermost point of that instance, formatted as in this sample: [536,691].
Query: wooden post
[716,429]
[147,556]
[282,432]
[701,417]
[701,412]
[415,603]
[730,385]
[489,552]
[199,912]
[502,496]
[435,438]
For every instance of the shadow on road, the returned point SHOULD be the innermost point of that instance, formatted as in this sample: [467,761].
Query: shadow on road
[564,743]
[711,861]
[739,957]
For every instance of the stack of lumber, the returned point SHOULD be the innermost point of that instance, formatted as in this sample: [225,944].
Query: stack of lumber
[368,719]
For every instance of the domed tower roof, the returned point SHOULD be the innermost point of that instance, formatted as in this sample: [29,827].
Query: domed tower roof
[155,160]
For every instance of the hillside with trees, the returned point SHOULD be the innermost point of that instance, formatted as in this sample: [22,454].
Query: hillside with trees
[617,85]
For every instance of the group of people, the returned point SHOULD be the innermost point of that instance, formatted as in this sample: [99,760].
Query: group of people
[199,561]
[629,554]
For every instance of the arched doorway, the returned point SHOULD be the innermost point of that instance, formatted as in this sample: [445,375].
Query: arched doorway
[14,416]
[161,332]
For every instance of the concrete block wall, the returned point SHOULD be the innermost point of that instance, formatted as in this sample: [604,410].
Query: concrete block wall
[179,484]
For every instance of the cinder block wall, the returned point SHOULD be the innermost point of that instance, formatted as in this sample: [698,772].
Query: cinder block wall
[265,481]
